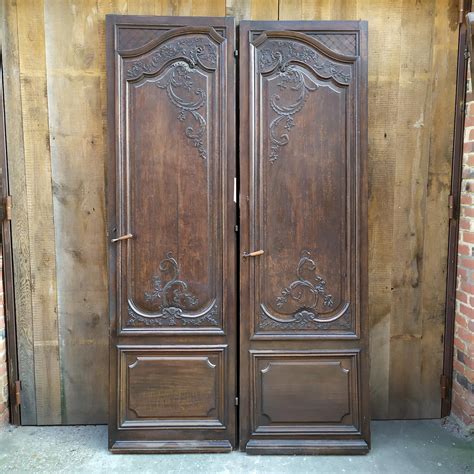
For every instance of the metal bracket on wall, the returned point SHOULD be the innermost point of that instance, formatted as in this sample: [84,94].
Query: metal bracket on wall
[451,206]
[444,384]
[18,392]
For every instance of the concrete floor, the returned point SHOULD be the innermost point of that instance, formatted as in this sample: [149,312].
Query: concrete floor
[397,447]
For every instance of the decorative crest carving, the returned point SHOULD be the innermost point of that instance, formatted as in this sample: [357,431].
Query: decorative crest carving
[280,54]
[172,298]
[194,51]
[306,299]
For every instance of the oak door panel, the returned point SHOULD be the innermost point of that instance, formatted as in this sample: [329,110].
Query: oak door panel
[303,203]
[291,390]
[171,225]
[172,387]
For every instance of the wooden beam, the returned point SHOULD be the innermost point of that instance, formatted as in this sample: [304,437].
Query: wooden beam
[20,224]
[78,152]
[33,83]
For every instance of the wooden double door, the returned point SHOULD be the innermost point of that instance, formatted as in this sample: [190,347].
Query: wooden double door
[237,263]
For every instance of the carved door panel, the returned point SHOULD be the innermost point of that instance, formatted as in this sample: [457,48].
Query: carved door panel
[303,316]
[171,231]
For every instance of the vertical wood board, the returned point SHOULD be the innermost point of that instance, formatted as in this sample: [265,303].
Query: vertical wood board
[78,148]
[40,212]
[20,234]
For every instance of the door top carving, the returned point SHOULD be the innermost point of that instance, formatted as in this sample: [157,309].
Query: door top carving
[195,51]
[278,50]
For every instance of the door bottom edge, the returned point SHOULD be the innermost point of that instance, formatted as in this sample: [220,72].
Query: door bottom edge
[308,447]
[171,447]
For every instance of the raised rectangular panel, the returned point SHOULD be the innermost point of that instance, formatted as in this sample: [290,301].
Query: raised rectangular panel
[305,392]
[164,387]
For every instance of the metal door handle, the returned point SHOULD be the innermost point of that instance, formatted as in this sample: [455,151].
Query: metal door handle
[122,237]
[253,254]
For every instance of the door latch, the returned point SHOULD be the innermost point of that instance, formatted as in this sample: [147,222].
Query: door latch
[257,253]
[122,237]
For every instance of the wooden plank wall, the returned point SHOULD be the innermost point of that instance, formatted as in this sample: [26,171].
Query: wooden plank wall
[54,62]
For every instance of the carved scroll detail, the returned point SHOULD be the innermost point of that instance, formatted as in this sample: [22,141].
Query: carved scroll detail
[308,283]
[172,298]
[194,51]
[280,54]
[178,82]
[306,300]
[303,320]
[283,57]
[297,82]
[183,57]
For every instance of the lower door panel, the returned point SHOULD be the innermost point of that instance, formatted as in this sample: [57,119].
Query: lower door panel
[304,395]
[176,393]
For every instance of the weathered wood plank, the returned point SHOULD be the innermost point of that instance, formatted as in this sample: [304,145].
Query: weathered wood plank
[208,8]
[264,10]
[435,245]
[413,127]
[78,153]
[40,210]
[20,226]
[239,9]
[293,10]
[384,70]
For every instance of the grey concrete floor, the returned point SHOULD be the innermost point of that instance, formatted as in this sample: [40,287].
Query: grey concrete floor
[397,447]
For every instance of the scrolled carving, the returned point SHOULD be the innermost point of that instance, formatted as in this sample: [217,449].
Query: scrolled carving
[306,300]
[297,83]
[303,320]
[194,51]
[173,300]
[178,84]
[182,57]
[174,291]
[283,58]
[309,288]
[280,54]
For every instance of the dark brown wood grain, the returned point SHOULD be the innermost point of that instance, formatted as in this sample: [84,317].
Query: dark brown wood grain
[170,184]
[303,201]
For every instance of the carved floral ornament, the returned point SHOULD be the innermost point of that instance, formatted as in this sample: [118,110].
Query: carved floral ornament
[286,60]
[188,99]
[180,58]
[175,303]
[306,301]
[200,51]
